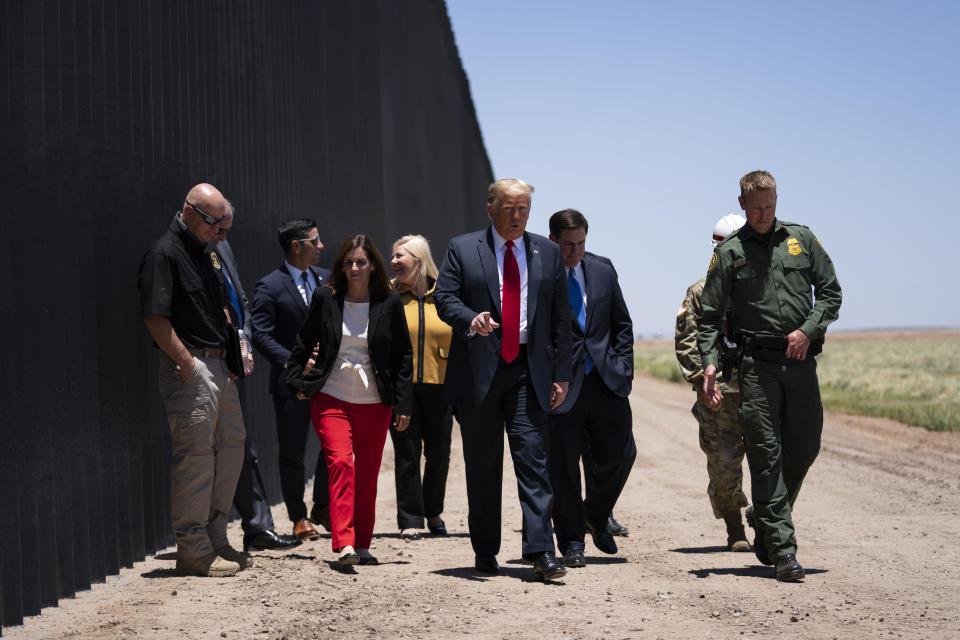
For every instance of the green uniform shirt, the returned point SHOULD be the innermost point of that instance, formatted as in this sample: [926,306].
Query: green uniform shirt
[769,282]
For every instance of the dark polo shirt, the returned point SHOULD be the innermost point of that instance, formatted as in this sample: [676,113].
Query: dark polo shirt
[182,278]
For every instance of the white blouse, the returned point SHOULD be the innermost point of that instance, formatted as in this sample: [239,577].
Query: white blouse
[352,379]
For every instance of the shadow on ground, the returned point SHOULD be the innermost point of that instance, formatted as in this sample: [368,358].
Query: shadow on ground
[524,574]
[702,550]
[756,571]
[161,573]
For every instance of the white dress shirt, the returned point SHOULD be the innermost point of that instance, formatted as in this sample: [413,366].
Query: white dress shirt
[297,275]
[500,248]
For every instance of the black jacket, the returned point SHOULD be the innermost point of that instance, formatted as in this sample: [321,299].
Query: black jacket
[387,339]
[277,313]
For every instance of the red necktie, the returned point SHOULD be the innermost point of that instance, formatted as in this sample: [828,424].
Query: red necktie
[510,344]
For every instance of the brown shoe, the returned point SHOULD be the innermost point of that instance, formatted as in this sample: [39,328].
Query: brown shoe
[736,536]
[211,566]
[229,553]
[304,530]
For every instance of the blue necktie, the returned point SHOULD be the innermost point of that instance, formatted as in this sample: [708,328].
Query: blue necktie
[306,286]
[234,300]
[576,303]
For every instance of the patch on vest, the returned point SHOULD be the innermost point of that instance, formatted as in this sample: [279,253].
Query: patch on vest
[215,260]
[793,247]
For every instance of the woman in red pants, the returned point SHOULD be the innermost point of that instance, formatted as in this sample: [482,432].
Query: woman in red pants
[354,360]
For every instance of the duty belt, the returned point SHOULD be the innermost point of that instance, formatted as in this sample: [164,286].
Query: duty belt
[772,347]
[208,352]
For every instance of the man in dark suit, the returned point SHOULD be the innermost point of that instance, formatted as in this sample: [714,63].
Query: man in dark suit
[250,499]
[280,302]
[596,412]
[504,292]
[613,527]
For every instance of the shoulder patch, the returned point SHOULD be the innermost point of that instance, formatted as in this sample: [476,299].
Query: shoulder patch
[215,260]
[793,246]
[713,262]
[818,241]
[683,309]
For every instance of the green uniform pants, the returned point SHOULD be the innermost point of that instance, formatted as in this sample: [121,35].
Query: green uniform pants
[781,417]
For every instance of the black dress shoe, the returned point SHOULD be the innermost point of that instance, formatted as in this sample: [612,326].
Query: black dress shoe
[574,559]
[602,539]
[437,529]
[268,540]
[614,528]
[789,570]
[487,564]
[368,561]
[547,567]
[759,544]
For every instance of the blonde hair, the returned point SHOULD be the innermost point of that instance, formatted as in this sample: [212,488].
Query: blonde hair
[418,247]
[508,186]
[757,181]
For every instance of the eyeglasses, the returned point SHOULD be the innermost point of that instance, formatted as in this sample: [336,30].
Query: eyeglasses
[314,241]
[206,217]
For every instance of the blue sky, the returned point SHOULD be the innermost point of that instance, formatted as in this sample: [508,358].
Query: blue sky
[645,115]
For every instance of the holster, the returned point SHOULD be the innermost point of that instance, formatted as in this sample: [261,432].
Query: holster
[234,356]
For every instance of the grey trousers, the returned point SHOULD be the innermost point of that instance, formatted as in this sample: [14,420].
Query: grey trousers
[207,433]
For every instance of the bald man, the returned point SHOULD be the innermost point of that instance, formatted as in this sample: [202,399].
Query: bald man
[186,307]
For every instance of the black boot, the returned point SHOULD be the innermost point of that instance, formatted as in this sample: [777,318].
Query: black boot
[759,545]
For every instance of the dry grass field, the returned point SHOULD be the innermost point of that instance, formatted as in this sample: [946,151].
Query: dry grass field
[908,376]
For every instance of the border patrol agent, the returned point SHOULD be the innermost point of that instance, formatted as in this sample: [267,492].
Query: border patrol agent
[767,270]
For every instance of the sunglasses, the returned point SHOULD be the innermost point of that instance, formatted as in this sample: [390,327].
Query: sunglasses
[206,217]
[314,241]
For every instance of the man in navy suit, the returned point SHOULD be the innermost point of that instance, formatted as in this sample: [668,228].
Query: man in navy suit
[596,411]
[504,292]
[280,302]
[250,498]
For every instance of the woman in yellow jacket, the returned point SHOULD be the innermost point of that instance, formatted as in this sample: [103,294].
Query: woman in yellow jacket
[431,421]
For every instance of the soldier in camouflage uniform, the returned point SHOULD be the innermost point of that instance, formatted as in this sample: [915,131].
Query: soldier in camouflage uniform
[720,435]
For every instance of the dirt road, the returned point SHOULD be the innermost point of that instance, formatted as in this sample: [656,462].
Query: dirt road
[878,522]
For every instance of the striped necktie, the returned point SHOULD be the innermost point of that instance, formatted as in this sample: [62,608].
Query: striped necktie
[307,289]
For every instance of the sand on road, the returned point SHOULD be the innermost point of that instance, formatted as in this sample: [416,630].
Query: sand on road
[878,522]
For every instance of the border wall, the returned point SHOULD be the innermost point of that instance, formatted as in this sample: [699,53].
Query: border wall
[355,113]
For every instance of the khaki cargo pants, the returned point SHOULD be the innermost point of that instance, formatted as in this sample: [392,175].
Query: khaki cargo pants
[207,433]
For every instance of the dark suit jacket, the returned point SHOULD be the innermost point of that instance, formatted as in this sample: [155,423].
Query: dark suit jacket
[230,264]
[387,339]
[608,335]
[469,284]
[277,313]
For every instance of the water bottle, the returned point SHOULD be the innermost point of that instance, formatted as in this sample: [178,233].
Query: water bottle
[246,353]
